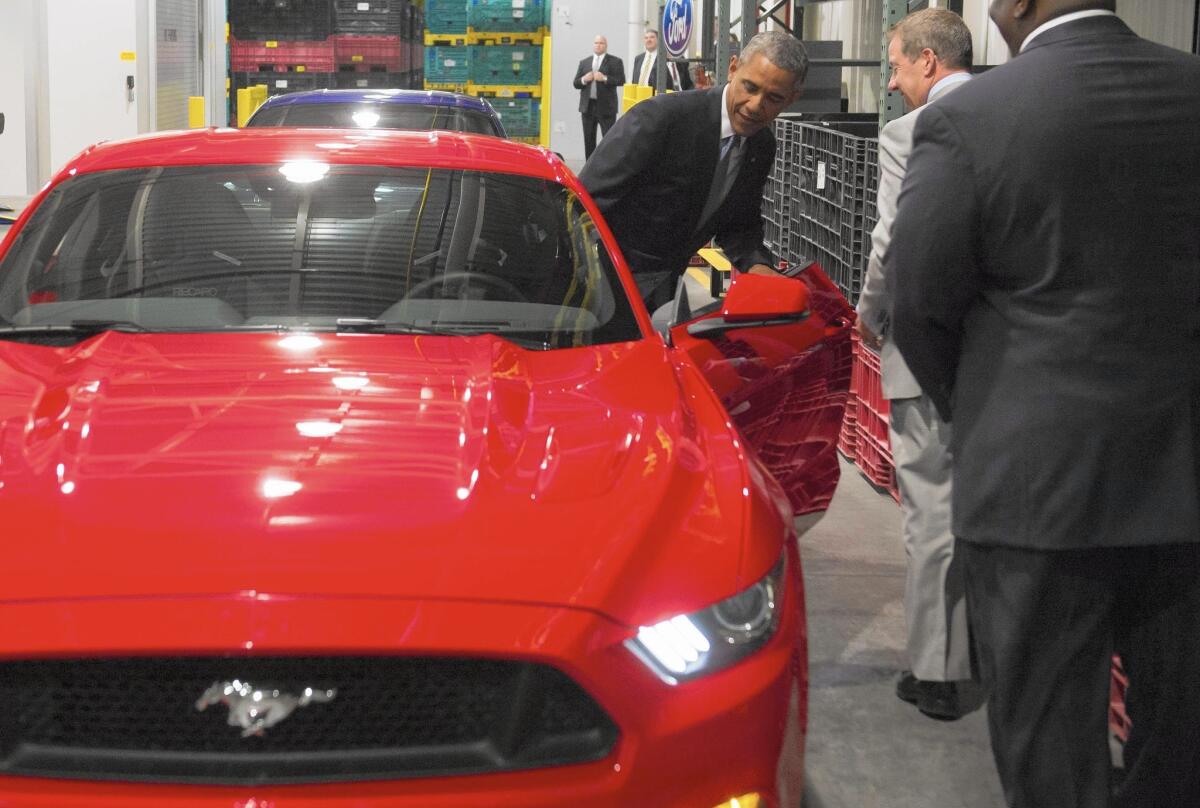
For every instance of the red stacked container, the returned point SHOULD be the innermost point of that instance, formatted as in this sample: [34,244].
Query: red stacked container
[296,56]
[364,54]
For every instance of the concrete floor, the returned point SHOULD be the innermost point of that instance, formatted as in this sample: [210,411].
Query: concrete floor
[866,748]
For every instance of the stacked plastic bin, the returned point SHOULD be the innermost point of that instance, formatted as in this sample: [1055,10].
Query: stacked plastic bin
[282,45]
[492,49]
[290,45]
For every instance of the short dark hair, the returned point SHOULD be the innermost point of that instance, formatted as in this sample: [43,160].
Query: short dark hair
[940,30]
[780,49]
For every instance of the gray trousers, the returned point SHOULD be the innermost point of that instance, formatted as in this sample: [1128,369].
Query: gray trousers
[935,605]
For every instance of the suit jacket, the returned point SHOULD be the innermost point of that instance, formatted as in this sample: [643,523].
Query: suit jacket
[606,91]
[685,78]
[651,175]
[1046,267]
[874,304]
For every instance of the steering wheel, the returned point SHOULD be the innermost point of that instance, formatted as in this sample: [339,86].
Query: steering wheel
[467,275]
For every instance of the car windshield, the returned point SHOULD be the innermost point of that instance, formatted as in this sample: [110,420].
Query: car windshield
[351,115]
[316,246]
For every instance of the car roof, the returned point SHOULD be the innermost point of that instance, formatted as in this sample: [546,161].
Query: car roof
[268,145]
[427,98]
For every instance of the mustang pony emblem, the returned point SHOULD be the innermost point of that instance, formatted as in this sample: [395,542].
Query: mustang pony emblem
[254,709]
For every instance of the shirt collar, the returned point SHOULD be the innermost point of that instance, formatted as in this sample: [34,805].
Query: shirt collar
[1064,19]
[726,126]
[946,82]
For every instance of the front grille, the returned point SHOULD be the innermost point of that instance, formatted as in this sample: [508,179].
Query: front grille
[391,717]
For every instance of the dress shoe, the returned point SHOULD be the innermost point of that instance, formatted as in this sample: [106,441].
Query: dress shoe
[935,699]
[908,688]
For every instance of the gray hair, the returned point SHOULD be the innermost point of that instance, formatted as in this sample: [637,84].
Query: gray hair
[780,49]
[940,30]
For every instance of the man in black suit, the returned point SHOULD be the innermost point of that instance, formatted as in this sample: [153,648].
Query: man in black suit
[597,80]
[680,169]
[1046,267]
[645,71]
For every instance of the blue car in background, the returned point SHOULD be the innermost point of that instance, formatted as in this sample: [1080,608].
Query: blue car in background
[381,109]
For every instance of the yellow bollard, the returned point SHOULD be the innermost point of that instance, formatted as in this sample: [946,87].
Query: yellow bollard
[195,112]
[644,91]
[258,95]
[243,106]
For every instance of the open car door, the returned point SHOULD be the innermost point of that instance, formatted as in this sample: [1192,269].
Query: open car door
[777,351]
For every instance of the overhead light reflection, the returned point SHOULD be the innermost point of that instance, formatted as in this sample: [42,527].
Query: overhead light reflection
[300,342]
[67,487]
[365,118]
[274,487]
[318,429]
[303,172]
[350,382]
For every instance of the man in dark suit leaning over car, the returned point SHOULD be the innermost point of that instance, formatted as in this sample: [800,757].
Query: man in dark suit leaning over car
[680,169]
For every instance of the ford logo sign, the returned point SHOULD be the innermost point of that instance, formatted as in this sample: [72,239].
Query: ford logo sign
[677,26]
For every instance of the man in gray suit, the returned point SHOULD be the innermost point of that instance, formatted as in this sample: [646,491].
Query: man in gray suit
[1045,262]
[930,55]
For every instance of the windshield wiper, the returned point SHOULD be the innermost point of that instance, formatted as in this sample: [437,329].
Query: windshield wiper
[88,327]
[366,325]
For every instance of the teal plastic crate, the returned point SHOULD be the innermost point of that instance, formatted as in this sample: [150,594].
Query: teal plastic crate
[448,64]
[446,16]
[508,65]
[522,117]
[510,16]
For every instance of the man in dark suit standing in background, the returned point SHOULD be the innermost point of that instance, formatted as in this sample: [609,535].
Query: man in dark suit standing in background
[678,170]
[645,71]
[1046,267]
[597,80]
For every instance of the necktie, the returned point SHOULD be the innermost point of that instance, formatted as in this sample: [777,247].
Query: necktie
[723,177]
[595,67]
[674,76]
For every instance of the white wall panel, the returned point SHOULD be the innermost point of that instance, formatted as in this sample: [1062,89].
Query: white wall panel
[17,39]
[1170,22]
[87,49]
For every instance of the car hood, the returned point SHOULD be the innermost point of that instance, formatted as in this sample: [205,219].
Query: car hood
[135,465]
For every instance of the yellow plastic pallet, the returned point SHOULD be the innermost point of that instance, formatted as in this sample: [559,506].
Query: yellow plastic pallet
[453,40]
[515,38]
[504,90]
[441,85]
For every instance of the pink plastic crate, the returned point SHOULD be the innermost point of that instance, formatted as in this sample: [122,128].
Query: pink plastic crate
[368,53]
[249,56]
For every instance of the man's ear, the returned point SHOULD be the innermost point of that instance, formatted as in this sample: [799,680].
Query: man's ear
[733,66]
[930,62]
[1023,8]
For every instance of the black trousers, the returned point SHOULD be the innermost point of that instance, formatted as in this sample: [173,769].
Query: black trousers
[1045,625]
[590,120]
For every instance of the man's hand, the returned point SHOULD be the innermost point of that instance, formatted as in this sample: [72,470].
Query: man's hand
[589,77]
[600,77]
[868,337]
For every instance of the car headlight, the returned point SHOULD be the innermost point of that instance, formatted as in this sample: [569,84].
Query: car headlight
[690,645]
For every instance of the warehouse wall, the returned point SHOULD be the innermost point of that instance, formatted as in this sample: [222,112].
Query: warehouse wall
[574,25]
[17,35]
[1171,22]
[859,25]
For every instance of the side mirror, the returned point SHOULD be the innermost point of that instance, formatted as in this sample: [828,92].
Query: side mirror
[757,301]
[1,123]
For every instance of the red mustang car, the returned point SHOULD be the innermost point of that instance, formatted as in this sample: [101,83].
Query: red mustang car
[346,469]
